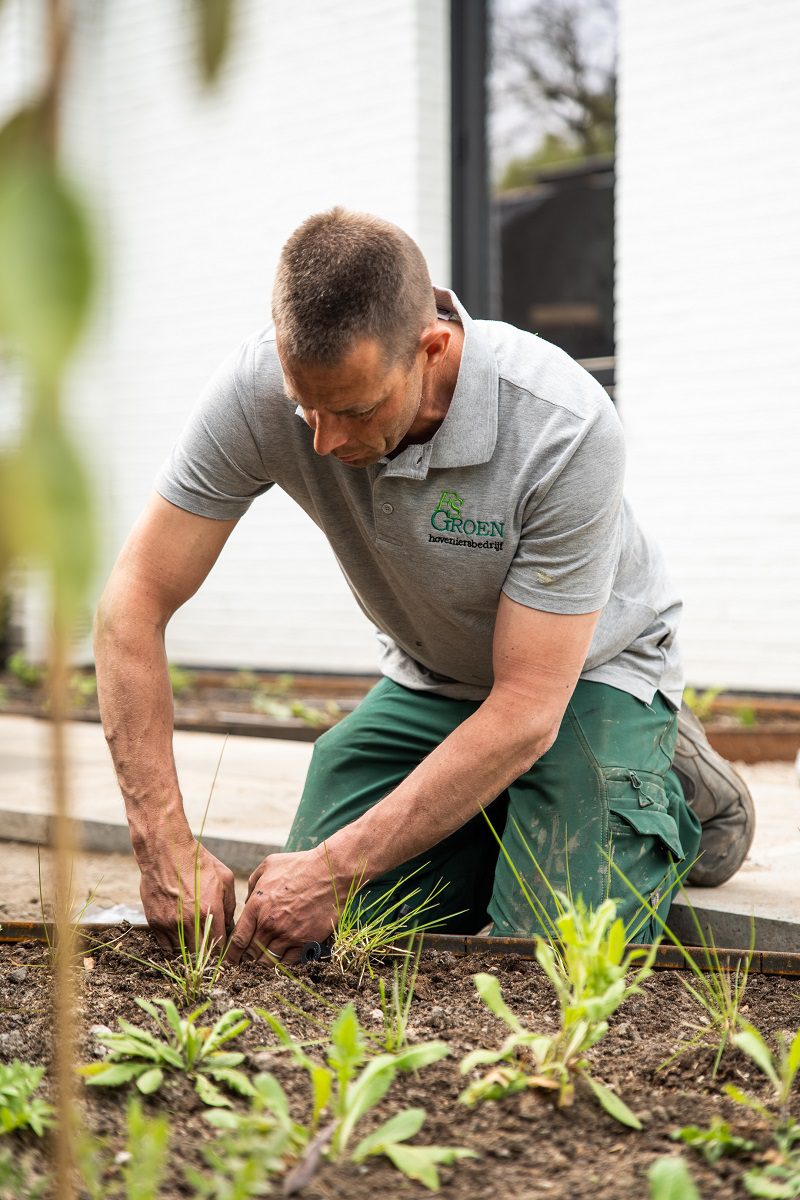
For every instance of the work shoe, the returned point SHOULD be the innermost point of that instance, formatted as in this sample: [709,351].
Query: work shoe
[720,798]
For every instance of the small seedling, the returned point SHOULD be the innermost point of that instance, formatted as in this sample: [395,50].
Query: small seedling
[589,975]
[280,710]
[701,703]
[180,681]
[367,930]
[200,957]
[19,1108]
[81,688]
[345,1089]
[670,1179]
[251,1147]
[781,1178]
[17,1180]
[144,1159]
[396,1003]
[187,1046]
[715,1142]
[717,986]
[29,674]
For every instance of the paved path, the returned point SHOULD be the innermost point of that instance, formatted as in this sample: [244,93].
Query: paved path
[259,785]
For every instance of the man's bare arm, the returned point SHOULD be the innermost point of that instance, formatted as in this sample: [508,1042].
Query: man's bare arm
[538,658]
[162,564]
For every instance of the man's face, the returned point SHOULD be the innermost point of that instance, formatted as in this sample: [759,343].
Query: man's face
[360,409]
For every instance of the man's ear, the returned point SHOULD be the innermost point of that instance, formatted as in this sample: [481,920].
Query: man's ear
[434,342]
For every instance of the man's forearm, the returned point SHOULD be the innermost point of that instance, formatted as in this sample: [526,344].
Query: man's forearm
[135,699]
[466,772]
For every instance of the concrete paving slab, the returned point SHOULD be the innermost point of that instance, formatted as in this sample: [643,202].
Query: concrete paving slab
[260,782]
[255,796]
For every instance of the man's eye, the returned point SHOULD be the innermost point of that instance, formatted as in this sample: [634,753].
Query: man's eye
[364,416]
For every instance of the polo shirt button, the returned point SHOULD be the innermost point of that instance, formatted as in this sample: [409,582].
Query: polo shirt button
[387,508]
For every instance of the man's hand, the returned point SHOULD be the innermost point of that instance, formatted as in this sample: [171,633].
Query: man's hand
[290,901]
[168,887]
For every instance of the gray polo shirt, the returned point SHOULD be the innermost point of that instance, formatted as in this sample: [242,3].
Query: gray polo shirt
[519,491]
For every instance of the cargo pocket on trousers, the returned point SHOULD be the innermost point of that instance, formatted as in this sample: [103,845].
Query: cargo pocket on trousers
[638,807]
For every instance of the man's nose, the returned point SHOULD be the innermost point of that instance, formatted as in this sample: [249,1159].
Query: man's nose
[328,434]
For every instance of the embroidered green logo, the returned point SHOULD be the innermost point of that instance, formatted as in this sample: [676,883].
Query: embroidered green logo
[449,502]
[448,517]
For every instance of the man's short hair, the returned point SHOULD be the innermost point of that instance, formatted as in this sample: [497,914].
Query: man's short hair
[343,276]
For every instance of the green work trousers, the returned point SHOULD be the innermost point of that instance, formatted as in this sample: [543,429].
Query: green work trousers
[604,791]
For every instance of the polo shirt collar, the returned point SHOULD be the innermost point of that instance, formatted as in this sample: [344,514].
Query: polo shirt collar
[468,434]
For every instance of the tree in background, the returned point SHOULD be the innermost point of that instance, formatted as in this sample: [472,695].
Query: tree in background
[553,72]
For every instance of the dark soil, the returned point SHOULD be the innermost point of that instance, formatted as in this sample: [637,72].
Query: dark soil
[526,1146]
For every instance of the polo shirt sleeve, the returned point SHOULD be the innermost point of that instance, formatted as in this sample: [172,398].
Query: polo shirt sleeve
[216,467]
[570,537]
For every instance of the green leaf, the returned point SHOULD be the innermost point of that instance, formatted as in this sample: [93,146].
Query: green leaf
[670,1180]
[45,262]
[414,1058]
[209,1093]
[611,1102]
[762,1182]
[46,511]
[151,1081]
[418,1162]
[751,1043]
[793,1059]
[107,1074]
[214,23]
[237,1081]
[399,1128]
[489,991]
[272,1096]
[371,1086]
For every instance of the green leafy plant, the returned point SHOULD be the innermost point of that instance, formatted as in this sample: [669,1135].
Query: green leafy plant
[669,1179]
[81,688]
[701,703]
[779,1069]
[144,1159]
[200,957]
[368,929]
[780,1179]
[180,681]
[715,1142]
[717,985]
[589,976]
[251,1147]
[19,1108]
[17,1179]
[396,1001]
[31,675]
[346,1087]
[271,706]
[185,1046]
[746,716]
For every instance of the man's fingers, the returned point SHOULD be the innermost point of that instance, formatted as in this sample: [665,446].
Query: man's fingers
[243,933]
[254,878]
[264,950]
[229,904]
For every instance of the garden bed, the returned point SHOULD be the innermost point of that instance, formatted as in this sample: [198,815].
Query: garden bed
[300,707]
[526,1146]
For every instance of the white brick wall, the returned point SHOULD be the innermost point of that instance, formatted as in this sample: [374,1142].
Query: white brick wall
[320,104]
[708,319]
